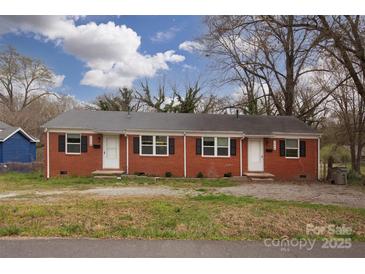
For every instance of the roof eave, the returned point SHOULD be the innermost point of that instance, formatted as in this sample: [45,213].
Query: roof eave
[32,139]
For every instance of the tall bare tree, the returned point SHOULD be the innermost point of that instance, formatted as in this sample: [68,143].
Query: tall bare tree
[190,99]
[270,49]
[124,100]
[348,108]
[23,80]
[39,112]
[342,38]
[159,101]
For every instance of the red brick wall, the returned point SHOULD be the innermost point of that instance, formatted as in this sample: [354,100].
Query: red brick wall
[80,165]
[210,166]
[291,169]
[282,168]
[158,165]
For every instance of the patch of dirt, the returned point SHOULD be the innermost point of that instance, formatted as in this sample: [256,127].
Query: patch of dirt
[311,192]
[8,195]
[314,192]
[138,191]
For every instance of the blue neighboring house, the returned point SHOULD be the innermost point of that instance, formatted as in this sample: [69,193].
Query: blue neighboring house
[16,145]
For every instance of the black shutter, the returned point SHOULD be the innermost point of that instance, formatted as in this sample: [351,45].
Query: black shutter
[302,148]
[136,145]
[83,144]
[171,145]
[198,147]
[61,143]
[282,148]
[233,147]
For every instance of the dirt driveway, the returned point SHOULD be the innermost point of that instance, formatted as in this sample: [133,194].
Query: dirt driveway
[314,192]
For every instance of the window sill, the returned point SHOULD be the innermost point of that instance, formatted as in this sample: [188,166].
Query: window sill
[292,158]
[75,154]
[213,156]
[154,155]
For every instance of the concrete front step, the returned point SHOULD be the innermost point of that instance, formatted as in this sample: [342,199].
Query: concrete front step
[261,175]
[106,177]
[107,173]
[262,179]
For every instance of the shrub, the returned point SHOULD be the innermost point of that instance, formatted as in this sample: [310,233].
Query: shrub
[138,173]
[168,174]
[200,175]
[353,175]
[228,174]
[340,154]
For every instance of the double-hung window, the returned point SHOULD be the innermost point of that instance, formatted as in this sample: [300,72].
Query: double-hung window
[216,146]
[292,148]
[154,145]
[209,146]
[73,143]
[160,145]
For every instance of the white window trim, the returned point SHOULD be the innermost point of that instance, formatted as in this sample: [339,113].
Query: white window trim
[66,143]
[153,146]
[298,148]
[216,147]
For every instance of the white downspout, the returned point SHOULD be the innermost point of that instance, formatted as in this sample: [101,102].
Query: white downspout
[48,161]
[319,159]
[241,162]
[184,154]
[127,153]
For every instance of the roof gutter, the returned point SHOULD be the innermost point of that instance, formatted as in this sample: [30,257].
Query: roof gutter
[189,132]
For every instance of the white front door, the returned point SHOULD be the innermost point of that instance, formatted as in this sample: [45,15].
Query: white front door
[255,155]
[111,151]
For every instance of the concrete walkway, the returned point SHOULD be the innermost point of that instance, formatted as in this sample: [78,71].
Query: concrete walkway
[80,248]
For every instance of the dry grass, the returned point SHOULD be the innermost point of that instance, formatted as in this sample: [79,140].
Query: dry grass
[202,217]
[13,181]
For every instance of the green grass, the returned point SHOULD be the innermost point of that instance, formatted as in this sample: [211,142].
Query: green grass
[210,217]
[35,181]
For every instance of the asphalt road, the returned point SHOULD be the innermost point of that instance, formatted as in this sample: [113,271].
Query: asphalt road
[97,248]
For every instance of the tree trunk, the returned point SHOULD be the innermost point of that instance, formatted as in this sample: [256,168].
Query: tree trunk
[357,166]
[353,156]
[289,62]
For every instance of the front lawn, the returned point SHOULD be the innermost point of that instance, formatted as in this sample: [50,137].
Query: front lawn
[35,181]
[202,217]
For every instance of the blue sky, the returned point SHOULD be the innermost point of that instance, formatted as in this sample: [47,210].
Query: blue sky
[73,48]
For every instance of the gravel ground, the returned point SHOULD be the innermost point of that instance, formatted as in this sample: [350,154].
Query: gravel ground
[314,192]
[139,191]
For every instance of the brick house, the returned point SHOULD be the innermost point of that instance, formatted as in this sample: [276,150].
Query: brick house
[81,142]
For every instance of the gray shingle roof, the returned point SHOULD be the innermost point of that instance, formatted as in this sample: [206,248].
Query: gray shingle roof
[109,121]
[3,125]
[6,130]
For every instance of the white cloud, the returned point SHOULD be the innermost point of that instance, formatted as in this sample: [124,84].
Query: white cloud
[191,46]
[163,36]
[188,67]
[58,80]
[110,51]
